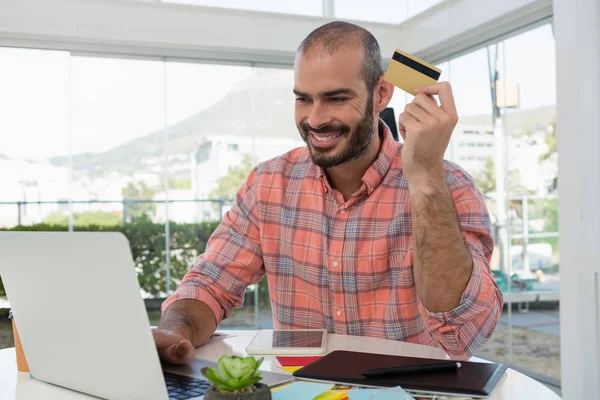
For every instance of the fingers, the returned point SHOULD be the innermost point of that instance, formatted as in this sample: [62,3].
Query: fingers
[183,352]
[428,104]
[173,347]
[407,123]
[417,112]
[444,91]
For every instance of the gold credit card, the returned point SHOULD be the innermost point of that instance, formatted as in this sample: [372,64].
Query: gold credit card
[409,73]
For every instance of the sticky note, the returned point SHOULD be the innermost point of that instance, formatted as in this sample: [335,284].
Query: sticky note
[295,361]
[291,370]
[301,390]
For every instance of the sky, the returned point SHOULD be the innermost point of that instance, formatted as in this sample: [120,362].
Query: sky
[105,102]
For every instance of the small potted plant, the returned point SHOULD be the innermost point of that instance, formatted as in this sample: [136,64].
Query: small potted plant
[236,379]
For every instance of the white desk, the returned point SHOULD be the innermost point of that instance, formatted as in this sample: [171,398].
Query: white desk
[513,386]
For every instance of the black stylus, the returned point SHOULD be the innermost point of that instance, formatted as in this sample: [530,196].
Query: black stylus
[377,372]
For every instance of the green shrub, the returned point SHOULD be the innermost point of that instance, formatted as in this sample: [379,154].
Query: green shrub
[147,242]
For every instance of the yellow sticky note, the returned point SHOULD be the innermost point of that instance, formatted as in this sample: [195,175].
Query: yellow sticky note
[332,395]
[291,370]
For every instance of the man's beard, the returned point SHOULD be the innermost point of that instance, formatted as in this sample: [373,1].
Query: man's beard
[357,140]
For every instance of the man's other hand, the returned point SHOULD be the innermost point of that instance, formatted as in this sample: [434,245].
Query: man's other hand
[173,347]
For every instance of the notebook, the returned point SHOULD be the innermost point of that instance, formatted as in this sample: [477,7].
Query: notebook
[472,379]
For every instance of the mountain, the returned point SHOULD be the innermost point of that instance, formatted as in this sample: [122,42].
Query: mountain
[233,115]
[517,121]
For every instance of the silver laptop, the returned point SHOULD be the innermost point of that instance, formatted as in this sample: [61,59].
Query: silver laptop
[77,304]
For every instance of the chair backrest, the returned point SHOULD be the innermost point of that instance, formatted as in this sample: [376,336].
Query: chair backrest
[388,117]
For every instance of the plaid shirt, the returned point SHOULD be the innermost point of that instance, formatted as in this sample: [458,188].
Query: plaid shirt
[346,266]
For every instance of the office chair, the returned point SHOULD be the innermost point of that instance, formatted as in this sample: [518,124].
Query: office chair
[388,117]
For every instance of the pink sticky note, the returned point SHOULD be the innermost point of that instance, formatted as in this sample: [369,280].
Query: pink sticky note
[296,361]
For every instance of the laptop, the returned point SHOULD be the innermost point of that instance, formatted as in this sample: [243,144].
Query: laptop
[82,321]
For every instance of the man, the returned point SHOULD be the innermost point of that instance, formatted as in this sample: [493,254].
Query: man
[356,233]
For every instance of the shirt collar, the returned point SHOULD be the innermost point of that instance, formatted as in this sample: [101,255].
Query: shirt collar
[378,170]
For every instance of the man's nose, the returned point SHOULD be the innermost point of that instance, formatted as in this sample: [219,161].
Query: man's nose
[318,116]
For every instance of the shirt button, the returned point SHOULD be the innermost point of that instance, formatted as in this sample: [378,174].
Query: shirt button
[336,264]
[338,313]
[343,211]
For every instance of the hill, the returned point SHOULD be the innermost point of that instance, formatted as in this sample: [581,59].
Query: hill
[234,115]
[517,121]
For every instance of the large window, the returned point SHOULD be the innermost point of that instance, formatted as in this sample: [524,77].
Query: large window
[34,128]
[533,206]
[526,258]
[117,120]
[157,149]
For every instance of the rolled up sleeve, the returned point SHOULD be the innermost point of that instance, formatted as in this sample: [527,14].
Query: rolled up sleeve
[231,262]
[463,330]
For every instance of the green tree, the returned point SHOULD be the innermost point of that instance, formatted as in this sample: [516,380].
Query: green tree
[147,243]
[138,191]
[87,218]
[486,179]
[56,218]
[176,183]
[98,218]
[228,185]
[550,141]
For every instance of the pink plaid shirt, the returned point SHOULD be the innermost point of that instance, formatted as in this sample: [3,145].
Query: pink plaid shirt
[346,266]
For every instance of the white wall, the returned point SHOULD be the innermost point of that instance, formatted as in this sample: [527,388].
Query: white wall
[577,28]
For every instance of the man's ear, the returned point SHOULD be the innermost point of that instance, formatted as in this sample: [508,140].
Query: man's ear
[383,94]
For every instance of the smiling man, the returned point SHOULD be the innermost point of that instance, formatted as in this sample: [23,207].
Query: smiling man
[356,233]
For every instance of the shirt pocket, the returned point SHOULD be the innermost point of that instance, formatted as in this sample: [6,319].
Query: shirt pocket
[373,282]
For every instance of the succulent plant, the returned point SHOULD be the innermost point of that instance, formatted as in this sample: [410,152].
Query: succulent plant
[235,374]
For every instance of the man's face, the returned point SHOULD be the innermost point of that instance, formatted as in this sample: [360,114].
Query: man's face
[334,110]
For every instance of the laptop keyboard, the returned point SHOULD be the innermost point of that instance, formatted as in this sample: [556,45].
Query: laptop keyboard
[184,387]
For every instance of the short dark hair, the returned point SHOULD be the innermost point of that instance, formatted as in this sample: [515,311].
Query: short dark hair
[334,35]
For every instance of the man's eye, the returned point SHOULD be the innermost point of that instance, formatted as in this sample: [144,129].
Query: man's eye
[301,100]
[338,99]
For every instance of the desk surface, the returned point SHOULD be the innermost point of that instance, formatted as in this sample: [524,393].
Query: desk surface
[514,385]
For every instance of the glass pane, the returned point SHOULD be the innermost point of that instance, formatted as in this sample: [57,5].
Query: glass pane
[211,145]
[472,145]
[386,11]
[34,104]
[535,257]
[274,103]
[304,7]
[34,130]
[117,120]
[117,142]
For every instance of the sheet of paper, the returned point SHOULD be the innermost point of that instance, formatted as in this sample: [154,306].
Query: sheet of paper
[219,336]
